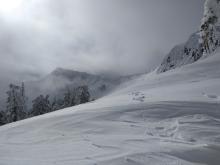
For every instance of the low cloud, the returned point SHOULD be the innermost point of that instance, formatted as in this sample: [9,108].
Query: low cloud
[118,36]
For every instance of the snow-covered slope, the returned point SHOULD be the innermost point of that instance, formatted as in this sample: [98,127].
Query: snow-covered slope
[156,119]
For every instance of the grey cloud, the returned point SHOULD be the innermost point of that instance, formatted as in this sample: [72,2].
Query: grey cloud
[96,36]
[99,36]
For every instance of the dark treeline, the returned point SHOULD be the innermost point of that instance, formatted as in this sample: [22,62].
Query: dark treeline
[16,105]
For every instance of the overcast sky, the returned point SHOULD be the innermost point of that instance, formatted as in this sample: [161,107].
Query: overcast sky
[96,36]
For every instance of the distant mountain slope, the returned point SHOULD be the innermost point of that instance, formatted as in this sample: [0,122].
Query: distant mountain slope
[55,83]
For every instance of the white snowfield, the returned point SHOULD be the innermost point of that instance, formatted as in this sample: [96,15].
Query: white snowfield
[158,119]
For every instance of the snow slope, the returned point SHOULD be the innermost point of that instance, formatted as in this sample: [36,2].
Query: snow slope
[157,119]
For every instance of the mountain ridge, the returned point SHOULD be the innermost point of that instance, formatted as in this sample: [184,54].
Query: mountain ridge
[200,44]
[56,82]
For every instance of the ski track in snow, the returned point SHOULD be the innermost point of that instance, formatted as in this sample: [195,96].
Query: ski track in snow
[166,119]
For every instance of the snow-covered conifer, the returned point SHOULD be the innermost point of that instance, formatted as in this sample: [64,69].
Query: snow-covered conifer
[41,105]
[209,26]
[16,104]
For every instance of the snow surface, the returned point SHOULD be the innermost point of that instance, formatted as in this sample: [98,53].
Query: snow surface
[157,119]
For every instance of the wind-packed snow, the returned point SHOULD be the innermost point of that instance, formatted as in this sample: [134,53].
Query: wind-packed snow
[157,119]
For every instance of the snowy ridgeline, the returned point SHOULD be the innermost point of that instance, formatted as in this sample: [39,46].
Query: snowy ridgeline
[200,44]
[181,54]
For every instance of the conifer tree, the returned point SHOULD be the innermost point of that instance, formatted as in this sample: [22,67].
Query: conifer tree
[41,105]
[208,39]
[16,104]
